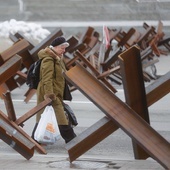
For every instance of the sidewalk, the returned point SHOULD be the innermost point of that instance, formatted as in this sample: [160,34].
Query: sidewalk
[57,157]
[58,161]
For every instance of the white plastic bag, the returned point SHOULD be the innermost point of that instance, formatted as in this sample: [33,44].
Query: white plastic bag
[47,131]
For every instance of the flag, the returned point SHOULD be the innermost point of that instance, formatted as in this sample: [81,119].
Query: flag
[106,38]
[103,47]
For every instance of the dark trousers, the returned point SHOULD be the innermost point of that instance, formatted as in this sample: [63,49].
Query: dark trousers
[66,132]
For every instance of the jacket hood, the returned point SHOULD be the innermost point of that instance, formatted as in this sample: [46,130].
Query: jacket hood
[47,52]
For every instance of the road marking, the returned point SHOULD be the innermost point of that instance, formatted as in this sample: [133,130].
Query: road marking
[73,101]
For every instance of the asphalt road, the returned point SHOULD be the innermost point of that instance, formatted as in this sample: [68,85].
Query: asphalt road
[118,145]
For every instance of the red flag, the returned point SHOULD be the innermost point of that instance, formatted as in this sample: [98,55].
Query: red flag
[106,37]
[103,47]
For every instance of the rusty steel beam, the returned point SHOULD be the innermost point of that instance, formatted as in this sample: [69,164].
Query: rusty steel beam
[106,124]
[29,94]
[11,112]
[19,122]
[107,64]
[90,137]
[125,38]
[38,147]
[95,71]
[33,111]
[16,140]
[20,35]
[151,90]
[126,118]
[16,48]
[46,42]
[9,106]
[9,68]
[134,89]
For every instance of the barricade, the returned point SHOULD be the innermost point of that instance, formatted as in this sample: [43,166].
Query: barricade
[119,113]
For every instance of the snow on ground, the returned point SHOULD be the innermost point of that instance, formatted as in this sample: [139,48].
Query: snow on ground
[34,32]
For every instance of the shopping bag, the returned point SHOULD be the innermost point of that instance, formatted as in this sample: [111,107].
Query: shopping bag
[47,131]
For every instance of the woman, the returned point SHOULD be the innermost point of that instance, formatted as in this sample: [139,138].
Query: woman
[52,84]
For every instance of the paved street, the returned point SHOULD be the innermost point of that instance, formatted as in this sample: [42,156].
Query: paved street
[114,152]
[117,146]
